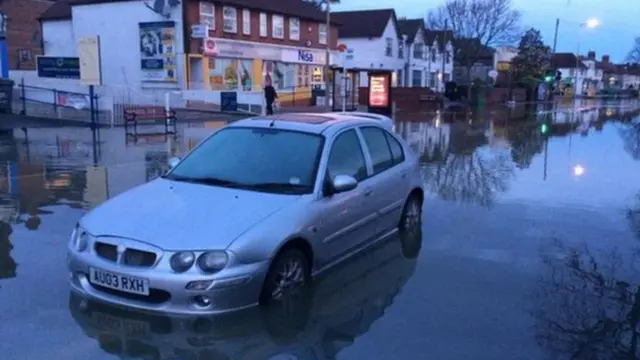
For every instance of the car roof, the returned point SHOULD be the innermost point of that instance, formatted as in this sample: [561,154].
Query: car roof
[309,122]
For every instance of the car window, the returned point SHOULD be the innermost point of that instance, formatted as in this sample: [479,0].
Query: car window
[346,157]
[396,149]
[378,148]
[253,158]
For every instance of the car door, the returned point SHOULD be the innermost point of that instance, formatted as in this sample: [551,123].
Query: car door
[389,181]
[347,219]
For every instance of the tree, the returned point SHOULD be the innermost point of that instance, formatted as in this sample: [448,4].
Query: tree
[634,54]
[476,25]
[533,58]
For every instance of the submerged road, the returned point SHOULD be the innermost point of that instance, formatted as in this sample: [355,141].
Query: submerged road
[530,250]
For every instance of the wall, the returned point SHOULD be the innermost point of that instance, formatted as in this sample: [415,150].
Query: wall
[370,53]
[59,38]
[120,55]
[23,30]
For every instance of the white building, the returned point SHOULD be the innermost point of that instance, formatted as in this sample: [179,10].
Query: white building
[592,79]
[503,56]
[372,40]
[425,57]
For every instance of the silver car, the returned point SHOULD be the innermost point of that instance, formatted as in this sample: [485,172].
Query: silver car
[249,216]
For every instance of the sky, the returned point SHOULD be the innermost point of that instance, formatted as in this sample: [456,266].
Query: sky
[613,37]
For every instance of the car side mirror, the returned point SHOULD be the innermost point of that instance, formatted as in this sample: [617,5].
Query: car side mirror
[343,183]
[173,162]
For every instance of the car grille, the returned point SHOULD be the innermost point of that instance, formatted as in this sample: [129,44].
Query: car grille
[131,257]
[107,251]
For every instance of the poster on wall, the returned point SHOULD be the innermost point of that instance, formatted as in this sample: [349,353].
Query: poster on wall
[380,92]
[157,51]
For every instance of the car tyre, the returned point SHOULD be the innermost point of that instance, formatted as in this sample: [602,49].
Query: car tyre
[288,275]
[411,219]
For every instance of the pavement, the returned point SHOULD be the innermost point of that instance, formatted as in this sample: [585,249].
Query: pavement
[530,250]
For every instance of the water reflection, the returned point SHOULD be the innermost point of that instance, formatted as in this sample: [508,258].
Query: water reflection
[590,304]
[475,160]
[8,265]
[343,306]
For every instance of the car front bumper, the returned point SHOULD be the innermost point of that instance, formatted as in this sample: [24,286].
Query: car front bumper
[234,288]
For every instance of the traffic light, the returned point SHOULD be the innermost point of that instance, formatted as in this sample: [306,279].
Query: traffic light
[548,76]
[544,128]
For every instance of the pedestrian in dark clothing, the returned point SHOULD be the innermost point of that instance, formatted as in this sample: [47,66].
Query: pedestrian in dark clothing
[270,95]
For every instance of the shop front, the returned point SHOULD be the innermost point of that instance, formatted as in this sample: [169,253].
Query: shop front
[246,66]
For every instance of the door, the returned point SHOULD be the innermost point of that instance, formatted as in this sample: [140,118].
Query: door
[389,182]
[347,219]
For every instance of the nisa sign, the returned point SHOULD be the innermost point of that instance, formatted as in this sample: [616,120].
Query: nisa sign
[305,56]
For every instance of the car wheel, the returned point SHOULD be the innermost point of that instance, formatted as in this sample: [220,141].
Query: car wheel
[411,219]
[288,276]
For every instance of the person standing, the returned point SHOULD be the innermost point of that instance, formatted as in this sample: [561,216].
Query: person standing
[270,96]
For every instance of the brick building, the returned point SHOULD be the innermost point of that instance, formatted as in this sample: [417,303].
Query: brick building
[24,38]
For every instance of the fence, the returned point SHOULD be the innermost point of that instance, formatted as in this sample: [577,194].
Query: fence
[57,104]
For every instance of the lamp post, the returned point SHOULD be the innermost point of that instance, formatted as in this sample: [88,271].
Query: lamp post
[4,55]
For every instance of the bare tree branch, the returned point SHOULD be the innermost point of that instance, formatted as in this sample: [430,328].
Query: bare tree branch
[476,25]
[634,54]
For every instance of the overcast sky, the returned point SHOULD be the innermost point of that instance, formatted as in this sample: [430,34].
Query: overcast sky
[615,35]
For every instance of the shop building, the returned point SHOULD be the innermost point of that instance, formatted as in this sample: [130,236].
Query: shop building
[240,44]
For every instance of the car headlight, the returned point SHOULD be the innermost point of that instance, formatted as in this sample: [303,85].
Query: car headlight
[212,261]
[182,261]
[79,239]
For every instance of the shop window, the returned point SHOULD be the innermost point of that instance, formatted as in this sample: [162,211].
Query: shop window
[230,19]
[207,16]
[230,74]
[322,33]
[263,24]
[294,29]
[282,75]
[278,27]
[246,22]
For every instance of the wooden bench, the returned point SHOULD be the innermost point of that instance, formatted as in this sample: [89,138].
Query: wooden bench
[149,115]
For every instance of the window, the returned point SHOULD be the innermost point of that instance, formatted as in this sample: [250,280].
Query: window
[207,14]
[246,22]
[322,33]
[263,25]
[277,22]
[378,148]
[229,19]
[388,50]
[416,78]
[396,149]
[400,49]
[247,157]
[294,29]
[346,157]
[400,77]
[418,51]
[447,57]
[434,55]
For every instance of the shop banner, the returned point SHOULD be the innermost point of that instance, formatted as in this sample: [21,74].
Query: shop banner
[157,51]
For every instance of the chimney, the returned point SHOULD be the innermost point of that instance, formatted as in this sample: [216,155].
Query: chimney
[591,55]
[605,59]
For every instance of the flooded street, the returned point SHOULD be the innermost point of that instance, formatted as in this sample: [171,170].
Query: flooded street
[530,249]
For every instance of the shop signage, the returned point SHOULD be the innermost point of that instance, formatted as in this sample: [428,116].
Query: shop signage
[305,56]
[199,31]
[209,47]
[245,50]
[58,67]
[380,92]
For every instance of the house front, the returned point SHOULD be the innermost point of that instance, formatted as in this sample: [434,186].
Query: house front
[572,72]
[192,47]
[412,50]
[473,61]
[372,40]
[439,56]
[592,82]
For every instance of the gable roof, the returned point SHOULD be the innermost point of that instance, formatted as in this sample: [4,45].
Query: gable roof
[565,61]
[410,28]
[61,9]
[363,23]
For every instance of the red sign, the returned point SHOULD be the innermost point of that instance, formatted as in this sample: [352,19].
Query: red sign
[379,90]
[209,47]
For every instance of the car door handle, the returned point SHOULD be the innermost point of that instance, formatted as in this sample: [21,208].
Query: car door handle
[368,192]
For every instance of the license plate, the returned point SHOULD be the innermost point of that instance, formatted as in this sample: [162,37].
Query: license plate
[126,283]
[128,328]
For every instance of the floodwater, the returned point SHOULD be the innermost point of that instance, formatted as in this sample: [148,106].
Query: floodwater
[530,250]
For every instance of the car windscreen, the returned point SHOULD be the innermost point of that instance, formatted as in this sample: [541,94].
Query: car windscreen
[261,159]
